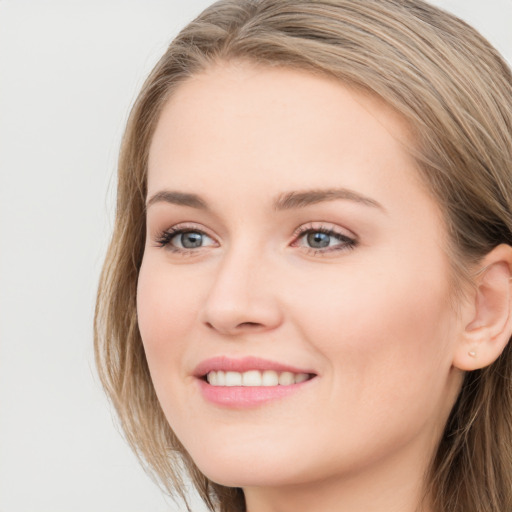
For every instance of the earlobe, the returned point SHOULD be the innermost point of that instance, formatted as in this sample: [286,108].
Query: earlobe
[488,331]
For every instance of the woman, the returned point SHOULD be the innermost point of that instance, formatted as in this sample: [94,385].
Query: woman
[307,295]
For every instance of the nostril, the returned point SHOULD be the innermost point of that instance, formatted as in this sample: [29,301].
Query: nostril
[235,329]
[249,324]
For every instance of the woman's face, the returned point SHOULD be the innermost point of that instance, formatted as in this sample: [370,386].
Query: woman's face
[289,239]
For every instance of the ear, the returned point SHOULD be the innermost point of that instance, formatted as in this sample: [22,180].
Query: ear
[488,315]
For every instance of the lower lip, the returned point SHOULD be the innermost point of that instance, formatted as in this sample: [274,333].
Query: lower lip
[238,397]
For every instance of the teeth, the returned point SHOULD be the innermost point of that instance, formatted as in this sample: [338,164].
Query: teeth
[269,378]
[301,377]
[286,378]
[212,378]
[233,379]
[254,378]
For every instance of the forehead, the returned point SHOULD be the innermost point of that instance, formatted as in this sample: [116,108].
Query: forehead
[245,123]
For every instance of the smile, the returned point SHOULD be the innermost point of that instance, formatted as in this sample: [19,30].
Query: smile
[255,378]
[249,381]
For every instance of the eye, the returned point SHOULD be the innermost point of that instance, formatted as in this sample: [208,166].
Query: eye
[322,239]
[319,240]
[189,240]
[184,239]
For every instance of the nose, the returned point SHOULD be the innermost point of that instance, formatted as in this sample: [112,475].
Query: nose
[242,297]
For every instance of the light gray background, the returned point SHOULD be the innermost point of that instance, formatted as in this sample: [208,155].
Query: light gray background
[69,71]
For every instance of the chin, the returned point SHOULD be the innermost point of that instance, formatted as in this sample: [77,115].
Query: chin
[248,475]
[246,468]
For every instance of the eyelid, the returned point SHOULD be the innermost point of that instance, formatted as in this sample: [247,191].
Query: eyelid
[162,238]
[325,227]
[348,240]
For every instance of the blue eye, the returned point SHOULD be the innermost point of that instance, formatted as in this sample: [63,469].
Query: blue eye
[323,240]
[184,240]
[189,240]
[318,240]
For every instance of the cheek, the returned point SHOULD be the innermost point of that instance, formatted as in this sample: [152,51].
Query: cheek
[167,308]
[386,343]
[381,329]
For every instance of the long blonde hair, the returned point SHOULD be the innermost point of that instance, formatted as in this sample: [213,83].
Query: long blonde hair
[455,92]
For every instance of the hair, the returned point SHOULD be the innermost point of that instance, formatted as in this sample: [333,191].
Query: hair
[455,92]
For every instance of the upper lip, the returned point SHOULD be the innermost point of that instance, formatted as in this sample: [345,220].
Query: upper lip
[244,364]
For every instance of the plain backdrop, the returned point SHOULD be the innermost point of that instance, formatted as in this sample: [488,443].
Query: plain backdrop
[69,71]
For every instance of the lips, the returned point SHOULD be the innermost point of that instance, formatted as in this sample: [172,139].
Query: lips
[248,381]
[248,365]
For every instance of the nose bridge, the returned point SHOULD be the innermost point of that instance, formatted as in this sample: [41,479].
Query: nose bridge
[242,296]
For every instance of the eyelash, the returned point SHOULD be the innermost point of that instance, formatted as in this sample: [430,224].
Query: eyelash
[165,238]
[347,243]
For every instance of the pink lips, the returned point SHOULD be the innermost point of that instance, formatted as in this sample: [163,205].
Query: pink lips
[243,365]
[242,396]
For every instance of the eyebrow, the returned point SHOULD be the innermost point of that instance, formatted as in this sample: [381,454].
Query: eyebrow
[285,201]
[178,198]
[301,199]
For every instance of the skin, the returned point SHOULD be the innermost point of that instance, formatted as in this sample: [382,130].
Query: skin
[374,322]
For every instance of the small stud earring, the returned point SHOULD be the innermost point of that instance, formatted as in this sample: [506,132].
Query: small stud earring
[472,353]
